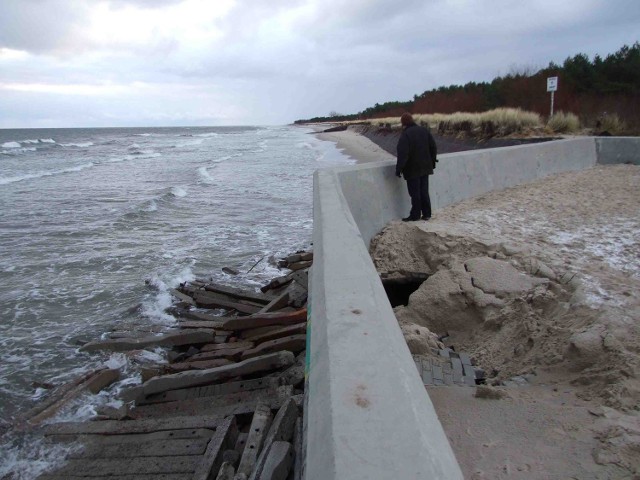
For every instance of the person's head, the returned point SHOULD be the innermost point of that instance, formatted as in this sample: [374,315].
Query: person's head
[406,119]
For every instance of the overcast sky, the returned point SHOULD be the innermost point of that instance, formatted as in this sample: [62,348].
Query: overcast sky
[74,63]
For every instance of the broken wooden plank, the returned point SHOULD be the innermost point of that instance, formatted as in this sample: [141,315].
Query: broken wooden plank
[197,365]
[94,382]
[152,476]
[166,340]
[204,324]
[299,265]
[279,332]
[237,293]
[215,347]
[192,434]
[194,378]
[211,390]
[226,472]
[120,427]
[133,466]
[217,405]
[301,277]
[169,448]
[266,319]
[278,463]
[228,353]
[257,432]
[281,430]
[206,299]
[277,283]
[293,343]
[224,438]
[277,303]
[182,297]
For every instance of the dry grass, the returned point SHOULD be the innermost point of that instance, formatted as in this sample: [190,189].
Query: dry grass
[498,122]
[611,123]
[562,122]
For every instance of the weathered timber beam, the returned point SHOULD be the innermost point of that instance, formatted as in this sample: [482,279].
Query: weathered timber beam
[257,433]
[176,381]
[166,340]
[293,343]
[266,319]
[281,430]
[118,427]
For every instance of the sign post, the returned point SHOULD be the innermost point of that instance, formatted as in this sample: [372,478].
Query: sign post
[552,86]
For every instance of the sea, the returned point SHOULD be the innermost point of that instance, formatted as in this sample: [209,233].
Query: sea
[97,225]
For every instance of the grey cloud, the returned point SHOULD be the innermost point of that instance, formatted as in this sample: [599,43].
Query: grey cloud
[39,26]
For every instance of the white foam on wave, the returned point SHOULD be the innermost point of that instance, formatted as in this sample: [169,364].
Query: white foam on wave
[151,207]
[47,140]
[11,145]
[79,145]
[206,135]
[15,151]
[156,306]
[205,175]
[28,176]
[38,457]
[178,192]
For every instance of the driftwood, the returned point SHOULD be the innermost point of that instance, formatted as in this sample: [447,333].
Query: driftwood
[94,382]
[266,319]
[197,365]
[293,343]
[277,332]
[277,303]
[166,340]
[214,347]
[239,403]
[277,283]
[281,430]
[257,433]
[195,378]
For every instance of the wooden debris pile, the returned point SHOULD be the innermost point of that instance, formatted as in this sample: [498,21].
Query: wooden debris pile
[235,381]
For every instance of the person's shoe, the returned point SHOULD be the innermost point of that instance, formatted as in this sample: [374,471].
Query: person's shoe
[410,219]
[425,218]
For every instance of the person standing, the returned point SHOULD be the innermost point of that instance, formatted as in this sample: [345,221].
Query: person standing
[417,157]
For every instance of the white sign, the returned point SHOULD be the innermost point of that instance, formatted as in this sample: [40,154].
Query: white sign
[552,84]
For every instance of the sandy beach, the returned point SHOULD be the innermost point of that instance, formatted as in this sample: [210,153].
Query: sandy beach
[537,284]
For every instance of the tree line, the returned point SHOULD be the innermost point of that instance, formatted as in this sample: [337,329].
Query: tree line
[587,87]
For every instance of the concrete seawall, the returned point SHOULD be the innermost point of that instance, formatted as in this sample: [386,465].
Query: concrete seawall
[368,414]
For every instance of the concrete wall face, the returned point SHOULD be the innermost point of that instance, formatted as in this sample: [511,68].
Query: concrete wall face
[368,415]
[618,150]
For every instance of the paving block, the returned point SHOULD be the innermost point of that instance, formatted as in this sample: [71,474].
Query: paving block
[456,364]
[470,381]
[469,370]
[427,378]
[448,379]
[465,359]
[437,373]
[457,377]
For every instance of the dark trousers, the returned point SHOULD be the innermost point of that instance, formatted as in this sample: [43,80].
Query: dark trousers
[419,192]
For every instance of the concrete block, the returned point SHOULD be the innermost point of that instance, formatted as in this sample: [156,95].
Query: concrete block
[437,373]
[456,364]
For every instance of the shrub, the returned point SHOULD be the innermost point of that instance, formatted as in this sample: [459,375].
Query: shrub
[561,122]
[610,123]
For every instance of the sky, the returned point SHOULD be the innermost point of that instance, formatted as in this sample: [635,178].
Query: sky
[100,63]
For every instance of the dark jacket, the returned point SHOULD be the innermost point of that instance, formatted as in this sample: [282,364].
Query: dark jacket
[417,152]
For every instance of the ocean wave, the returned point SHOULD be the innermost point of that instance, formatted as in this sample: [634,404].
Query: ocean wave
[47,140]
[155,308]
[11,145]
[16,151]
[206,135]
[205,175]
[79,145]
[28,176]
[178,192]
